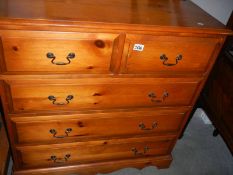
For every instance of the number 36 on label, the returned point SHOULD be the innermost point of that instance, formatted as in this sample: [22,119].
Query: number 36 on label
[138,47]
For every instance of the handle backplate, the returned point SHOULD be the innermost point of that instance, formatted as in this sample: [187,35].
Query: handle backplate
[54,99]
[143,126]
[137,153]
[55,159]
[52,56]
[164,58]
[153,97]
[54,133]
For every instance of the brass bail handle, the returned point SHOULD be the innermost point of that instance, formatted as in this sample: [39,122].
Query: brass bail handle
[164,58]
[52,56]
[54,99]
[143,126]
[55,159]
[54,133]
[153,97]
[137,153]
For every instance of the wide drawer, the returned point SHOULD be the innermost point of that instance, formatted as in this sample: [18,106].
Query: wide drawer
[56,128]
[89,53]
[92,151]
[83,94]
[168,54]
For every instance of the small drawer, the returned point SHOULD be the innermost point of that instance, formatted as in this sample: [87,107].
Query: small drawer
[92,151]
[89,53]
[83,94]
[168,54]
[48,129]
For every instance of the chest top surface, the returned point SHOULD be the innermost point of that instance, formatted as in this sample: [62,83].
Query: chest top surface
[175,13]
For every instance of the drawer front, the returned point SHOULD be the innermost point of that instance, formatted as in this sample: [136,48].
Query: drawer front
[168,54]
[43,129]
[59,52]
[93,151]
[112,94]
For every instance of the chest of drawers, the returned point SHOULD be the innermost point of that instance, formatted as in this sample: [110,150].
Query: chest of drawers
[96,86]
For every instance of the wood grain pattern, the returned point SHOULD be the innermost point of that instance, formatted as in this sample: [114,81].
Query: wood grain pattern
[96,125]
[195,51]
[25,97]
[159,12]
[104,167]
[27,51]
[109,82]
[93,151]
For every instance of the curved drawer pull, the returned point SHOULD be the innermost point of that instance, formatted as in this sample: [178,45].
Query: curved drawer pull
[51,55]
[137,153]
[54,99]
[60,160]
[143,127]
[54,132]
[164,58]
[153,97]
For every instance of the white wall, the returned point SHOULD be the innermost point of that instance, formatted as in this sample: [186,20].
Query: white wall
[220,9]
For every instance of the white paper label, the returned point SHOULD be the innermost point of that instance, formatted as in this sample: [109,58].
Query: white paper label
[138,47]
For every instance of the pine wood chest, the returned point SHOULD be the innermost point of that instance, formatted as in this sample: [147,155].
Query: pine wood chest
[94,86]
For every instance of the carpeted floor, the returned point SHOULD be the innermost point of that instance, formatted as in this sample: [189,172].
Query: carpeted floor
[197,153]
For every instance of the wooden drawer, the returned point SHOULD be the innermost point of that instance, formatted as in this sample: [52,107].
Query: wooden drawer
[42,129]
[92,151]
[180,54]
[82,94]
[59,52]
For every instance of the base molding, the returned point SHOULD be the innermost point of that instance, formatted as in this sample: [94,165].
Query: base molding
[100,167]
